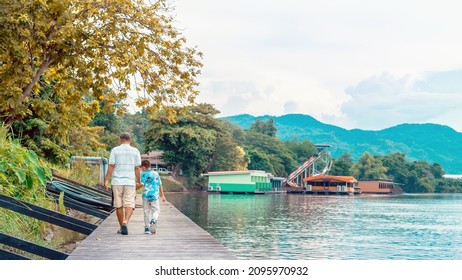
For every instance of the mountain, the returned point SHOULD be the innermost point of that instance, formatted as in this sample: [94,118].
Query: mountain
[429,142]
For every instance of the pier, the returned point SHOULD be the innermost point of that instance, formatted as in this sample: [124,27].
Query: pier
[177,238]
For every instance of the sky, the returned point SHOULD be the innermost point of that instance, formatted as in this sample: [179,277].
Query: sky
[356,64]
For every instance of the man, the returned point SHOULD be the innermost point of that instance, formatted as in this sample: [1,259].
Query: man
[124,167]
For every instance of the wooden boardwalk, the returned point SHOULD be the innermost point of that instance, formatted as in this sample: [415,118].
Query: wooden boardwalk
[177,238]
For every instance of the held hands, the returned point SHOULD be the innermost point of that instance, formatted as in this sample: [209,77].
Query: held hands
[139,186]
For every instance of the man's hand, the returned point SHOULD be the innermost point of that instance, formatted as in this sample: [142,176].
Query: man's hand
[106,182]
[139,186]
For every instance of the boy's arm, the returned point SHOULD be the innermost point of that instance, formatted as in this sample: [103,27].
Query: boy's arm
[162,193]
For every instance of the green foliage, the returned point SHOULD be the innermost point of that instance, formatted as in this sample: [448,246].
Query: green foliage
[171,185]
[369,167]
[195,143]
[280,158]
[397,167]
[446,185]
[62,208]
[23,176]
[302,150]
[342,166]
[53,129]
[137,124]
[258,160]
[81,172]
[264,127]
[113,125]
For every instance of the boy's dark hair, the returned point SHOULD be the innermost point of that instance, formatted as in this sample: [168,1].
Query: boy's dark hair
[146,163]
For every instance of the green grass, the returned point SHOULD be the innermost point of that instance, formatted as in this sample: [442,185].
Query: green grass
[170,186]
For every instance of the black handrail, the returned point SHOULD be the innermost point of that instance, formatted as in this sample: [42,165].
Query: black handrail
[29,247]
[46,215]
[7,255]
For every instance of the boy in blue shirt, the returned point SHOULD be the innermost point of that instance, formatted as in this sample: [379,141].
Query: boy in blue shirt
[150,179]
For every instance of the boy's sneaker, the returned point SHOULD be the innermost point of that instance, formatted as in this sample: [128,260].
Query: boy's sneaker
[147,230]
[124,229]
[153,226]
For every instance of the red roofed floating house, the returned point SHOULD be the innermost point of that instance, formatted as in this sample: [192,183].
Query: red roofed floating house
[326,184]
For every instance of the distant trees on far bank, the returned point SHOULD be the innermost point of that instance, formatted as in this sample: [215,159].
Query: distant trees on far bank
[416,176]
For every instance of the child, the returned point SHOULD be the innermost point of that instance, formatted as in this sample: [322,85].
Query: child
[151,205]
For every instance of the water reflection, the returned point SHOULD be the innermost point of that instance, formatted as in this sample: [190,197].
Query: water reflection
[332,227]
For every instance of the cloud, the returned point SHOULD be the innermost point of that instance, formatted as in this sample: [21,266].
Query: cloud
[291,107]
[276,57]
[389,101]
[444,82]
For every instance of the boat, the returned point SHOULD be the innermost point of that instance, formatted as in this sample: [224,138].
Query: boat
[327,185]
[243,182]
[380,187]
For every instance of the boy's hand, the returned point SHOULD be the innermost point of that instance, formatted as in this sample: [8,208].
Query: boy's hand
[163,199]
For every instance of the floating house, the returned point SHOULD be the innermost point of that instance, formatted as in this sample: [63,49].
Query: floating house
[380,187]
[248,181]
[327,184]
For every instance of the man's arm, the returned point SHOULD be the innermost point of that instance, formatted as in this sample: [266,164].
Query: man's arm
[108,175]
[137,174]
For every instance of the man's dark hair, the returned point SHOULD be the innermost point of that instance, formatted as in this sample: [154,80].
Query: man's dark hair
[125,136]
[146,163]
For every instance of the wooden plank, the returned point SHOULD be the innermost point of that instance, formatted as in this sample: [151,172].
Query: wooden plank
[177,238]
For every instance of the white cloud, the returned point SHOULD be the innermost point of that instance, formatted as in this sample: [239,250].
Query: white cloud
[386,101]
[315,57]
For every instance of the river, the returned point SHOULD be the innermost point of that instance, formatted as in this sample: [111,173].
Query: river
[305,227]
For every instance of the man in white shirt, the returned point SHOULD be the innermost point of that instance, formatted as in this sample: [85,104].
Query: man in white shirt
[124,167]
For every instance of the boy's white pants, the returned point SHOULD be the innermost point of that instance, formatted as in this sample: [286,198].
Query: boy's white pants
[151,211]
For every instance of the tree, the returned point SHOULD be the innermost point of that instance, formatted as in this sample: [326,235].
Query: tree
[258,160]
[342,166]
[368,167]
[267,128]
[92,48]
[55,128]
[302,150]
[437,170]
[280,158]
[397,167]
[228,155]
[196,143]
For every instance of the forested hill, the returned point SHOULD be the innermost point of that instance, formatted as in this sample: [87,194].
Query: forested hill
[429,142]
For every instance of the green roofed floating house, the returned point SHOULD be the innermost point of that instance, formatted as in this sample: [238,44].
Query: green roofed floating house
[248,181]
